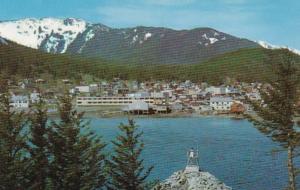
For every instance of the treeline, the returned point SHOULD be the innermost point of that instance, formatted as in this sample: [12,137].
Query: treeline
[247,65]
[38,153]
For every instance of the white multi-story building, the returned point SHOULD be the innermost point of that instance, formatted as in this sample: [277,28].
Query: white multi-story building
[114,101]
[18,101]
[221,103]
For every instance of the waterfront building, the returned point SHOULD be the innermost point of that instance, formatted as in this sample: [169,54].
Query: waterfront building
[204,108]
[221,103]
[114,101]
[177,106]
[138,107]
[161,109]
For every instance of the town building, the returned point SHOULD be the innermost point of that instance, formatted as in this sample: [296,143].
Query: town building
[80,89]
[138,107]
[19,101]
[114,101]
[221,103]
[216,90]
[34,97]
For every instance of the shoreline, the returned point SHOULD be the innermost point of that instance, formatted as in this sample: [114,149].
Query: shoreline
[100,113]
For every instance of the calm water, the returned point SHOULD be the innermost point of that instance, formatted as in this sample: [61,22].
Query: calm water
[232,150]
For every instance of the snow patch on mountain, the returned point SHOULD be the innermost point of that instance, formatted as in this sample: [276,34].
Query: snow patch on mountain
[216,34]
[205,36]
[89,35]
[140,37]
[2,41]
[147,35]
[33,32]
[271,46]
[52,44]
[134,39]
[213,40]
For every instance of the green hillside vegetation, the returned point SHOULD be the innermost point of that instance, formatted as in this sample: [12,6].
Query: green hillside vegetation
[247,65]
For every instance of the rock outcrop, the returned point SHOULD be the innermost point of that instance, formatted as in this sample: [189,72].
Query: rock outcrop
[182,180]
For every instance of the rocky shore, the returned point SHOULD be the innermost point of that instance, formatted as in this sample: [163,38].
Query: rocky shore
[182,180]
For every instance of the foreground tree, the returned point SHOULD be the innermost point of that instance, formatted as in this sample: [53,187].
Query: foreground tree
[76,161]
[39,153]
[13,144]
[126,167]
[277,109]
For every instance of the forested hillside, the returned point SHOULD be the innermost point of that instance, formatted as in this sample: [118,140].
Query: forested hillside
[244,65]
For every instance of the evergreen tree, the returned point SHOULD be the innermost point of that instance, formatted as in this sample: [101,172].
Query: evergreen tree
[277,109]
[13,146]
[126,167]
[39,153]
[77,161]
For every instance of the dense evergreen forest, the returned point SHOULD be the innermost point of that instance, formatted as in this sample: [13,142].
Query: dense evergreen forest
[244,65]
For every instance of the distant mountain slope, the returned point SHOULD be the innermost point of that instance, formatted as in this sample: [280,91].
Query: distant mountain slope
[151,45]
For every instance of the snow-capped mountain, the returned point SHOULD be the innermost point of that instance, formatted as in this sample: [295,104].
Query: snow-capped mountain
[143,44]
[50,34]
[139,44]
[271,46]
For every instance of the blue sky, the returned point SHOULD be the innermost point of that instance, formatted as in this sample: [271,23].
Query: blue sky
[275,21]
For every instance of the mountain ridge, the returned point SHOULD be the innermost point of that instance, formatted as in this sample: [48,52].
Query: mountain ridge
[140,44]
[137,44]
[157,44]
